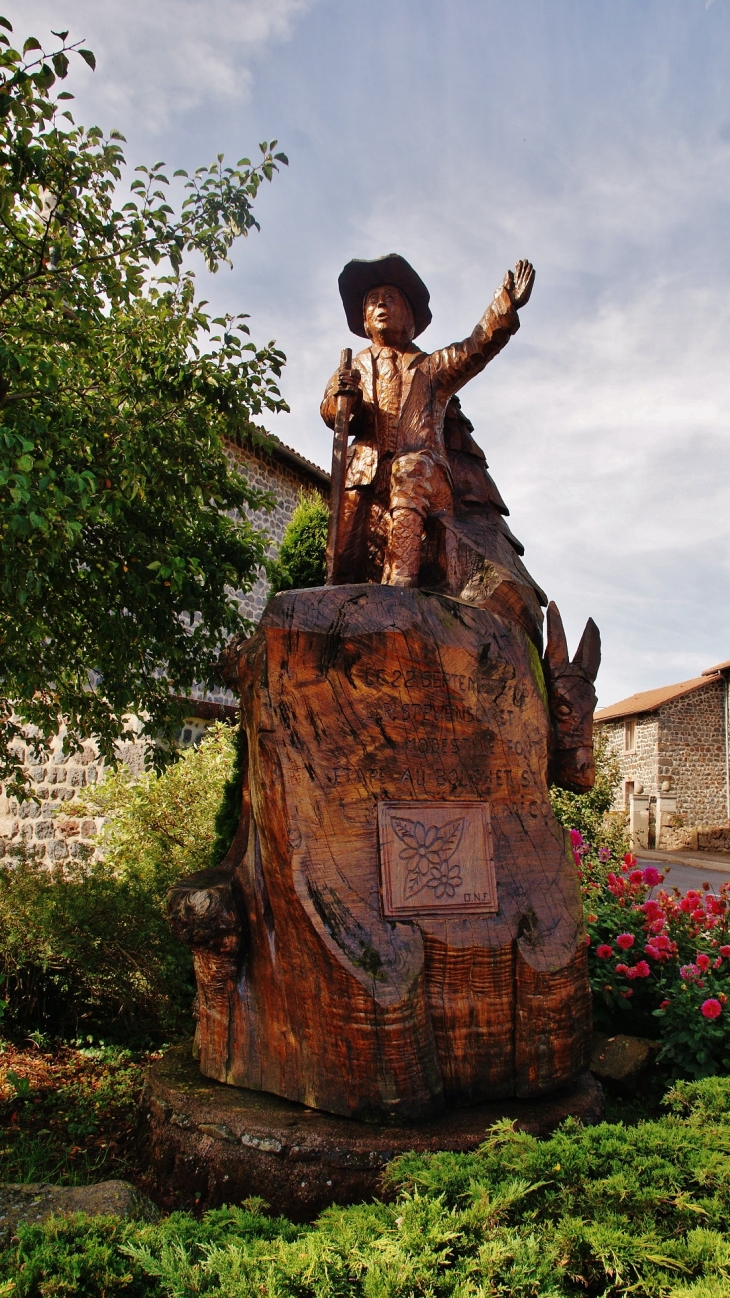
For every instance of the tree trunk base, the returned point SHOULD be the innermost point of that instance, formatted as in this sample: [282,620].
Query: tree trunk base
[213,1144]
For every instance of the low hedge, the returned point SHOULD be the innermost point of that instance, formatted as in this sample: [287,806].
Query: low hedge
[606,1210]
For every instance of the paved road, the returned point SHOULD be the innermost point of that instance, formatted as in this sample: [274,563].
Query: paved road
[689,876]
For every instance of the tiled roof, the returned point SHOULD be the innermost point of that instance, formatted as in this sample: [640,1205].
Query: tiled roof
[651,700]
[288,453]
[283,452]
[719,667]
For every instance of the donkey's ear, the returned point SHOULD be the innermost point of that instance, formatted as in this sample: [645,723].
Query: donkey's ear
[556,652]
[588,653]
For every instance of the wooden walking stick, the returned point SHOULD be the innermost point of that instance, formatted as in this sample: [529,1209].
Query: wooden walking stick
[345,402]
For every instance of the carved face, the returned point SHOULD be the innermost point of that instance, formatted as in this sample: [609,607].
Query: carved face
[572,702]
[387,315]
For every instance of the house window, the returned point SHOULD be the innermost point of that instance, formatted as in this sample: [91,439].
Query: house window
[630,736]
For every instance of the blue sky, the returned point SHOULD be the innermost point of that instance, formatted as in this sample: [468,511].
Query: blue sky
[592,136]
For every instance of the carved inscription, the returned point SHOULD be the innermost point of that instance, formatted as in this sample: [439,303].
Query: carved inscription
[436,857]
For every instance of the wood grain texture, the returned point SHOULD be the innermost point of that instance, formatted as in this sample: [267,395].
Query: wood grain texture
[356,695]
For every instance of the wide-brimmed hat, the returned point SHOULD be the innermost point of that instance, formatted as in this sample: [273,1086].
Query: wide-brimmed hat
[359,277]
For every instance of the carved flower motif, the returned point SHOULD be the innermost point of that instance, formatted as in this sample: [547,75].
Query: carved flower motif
[428,852]
[444,879]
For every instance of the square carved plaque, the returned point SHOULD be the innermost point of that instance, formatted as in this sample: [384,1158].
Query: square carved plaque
[436,859]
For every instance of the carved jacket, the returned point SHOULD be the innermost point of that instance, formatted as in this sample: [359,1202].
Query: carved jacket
[429,380]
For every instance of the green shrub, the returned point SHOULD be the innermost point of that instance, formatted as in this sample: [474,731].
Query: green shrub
[589,812]
[301,559]
[605,1211]
[228,814]
[86,946]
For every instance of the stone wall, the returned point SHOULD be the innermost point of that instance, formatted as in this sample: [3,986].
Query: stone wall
[640,766]
[692,754]
[46,827]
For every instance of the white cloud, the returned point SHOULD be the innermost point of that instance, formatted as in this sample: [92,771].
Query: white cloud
[164,57]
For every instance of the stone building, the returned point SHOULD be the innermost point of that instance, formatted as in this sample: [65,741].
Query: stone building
[57,783]
[672,748]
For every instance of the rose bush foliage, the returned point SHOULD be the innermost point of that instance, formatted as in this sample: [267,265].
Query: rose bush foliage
[659,961]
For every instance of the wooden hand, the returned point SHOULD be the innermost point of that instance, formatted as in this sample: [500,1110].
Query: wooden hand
[519,282]
[348,382]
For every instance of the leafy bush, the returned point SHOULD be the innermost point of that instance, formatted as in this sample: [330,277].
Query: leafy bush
[604,1210]
[590,813]
[86,945]
[301,559]
[659,965]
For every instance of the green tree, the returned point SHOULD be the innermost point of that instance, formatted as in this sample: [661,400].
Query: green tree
[124,528]
[301,558]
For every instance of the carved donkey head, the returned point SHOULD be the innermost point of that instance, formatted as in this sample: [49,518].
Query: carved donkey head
[572,701]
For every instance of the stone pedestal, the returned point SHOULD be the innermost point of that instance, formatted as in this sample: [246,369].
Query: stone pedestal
[213,1144]
[411,923]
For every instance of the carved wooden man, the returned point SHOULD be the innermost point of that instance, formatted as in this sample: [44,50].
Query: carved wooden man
[398,471]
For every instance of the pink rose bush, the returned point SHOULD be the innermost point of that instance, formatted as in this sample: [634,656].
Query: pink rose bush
[659,965]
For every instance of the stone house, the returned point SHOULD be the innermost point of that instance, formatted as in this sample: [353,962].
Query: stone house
[58,782]
[672,748]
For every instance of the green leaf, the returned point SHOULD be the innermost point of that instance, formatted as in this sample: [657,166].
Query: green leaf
[31,44]
[60,64]
[4,23]
[61,35]
[65,94]
[88,57]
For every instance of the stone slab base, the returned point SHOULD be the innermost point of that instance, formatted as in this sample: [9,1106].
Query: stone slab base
[212,1144]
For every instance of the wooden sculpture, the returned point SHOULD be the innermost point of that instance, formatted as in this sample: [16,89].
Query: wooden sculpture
[398,925]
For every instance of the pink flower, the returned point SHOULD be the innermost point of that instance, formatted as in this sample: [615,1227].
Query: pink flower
[652,910]
[717,964]
[657,926]
[725,951]
[629,992]
[641,969]
[636,876]
[703,962]
[665,1005]
[604,952]
[576,837]
[622,969]
[629,860]
[652,875]
[688,971]
[604,854]
[625,941]
[711,1008]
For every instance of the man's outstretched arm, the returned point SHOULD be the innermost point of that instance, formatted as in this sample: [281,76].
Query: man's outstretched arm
[458,363]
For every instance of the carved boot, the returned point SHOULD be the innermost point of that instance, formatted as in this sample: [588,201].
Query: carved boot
[403,558]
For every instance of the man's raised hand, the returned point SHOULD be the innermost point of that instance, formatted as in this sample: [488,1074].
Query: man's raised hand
[519,283]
